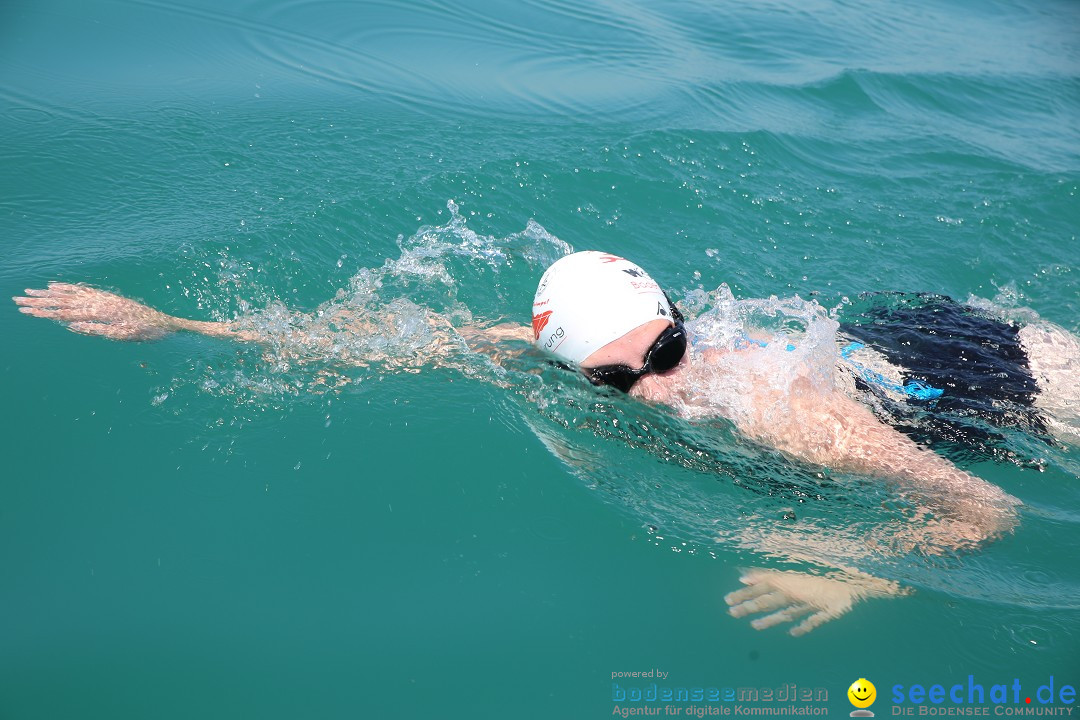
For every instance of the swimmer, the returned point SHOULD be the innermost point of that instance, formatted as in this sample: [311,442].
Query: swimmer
[607,318]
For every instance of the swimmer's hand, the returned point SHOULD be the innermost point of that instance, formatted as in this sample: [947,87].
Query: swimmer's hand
[795,594]
[95,312]
[92,311]
[493,340]
[496,333]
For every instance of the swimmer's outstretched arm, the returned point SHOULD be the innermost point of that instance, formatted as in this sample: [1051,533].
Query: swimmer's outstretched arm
[92,311]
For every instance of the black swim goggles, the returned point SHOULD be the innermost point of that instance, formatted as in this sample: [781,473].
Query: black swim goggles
[664,355]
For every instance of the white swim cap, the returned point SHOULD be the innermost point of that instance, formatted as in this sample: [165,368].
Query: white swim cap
[588,299]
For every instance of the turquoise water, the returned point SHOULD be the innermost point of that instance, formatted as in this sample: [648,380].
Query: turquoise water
[192,528]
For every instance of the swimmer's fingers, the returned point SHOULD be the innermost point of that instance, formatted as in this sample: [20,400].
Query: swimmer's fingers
[90,301]
[762,603]
[54,290]
[44,312]
[818,618]
[796,594]
[96,312]
[788,614]
[753,589]
[89,318]
[64,314]
[62,287]
[43,301]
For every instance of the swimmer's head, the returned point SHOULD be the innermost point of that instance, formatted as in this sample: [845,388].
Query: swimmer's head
[589,299]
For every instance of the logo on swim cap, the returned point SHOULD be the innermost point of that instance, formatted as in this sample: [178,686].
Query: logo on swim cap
[539,323]
[594,298]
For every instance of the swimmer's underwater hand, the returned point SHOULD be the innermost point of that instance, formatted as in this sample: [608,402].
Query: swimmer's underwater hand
[95,312]
[496,333]
[92,311]
[795,594]
[492,341]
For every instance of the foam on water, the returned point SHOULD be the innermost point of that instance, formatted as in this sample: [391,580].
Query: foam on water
[794,341]
[402,316]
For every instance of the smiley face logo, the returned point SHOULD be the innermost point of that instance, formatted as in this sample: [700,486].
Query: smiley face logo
[862,693]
